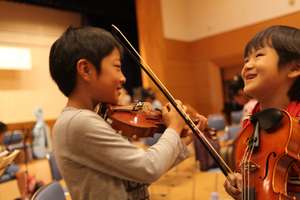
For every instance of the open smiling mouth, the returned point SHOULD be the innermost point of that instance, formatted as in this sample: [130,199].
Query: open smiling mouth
[250,76]
[119,89]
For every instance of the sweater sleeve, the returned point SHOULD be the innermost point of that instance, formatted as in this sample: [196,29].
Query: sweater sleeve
[96,145]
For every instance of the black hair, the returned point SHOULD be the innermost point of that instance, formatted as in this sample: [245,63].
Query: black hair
[285,41]
[90,43]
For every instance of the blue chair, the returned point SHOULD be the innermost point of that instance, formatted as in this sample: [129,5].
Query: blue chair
[52,191]
[9,173]
[216,121]
[233,131]
[236,116]
[55,173]
[13,137]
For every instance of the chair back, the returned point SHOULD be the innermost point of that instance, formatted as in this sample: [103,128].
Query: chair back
[236,116]
[233,131]
[56,175]
[216,121]
[52,191]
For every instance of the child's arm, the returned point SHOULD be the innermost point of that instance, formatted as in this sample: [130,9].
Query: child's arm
[95,144]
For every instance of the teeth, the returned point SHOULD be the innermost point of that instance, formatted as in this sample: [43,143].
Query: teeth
[251,76]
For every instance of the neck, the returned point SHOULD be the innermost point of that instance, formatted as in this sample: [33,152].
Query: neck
[279,102]
[82,101]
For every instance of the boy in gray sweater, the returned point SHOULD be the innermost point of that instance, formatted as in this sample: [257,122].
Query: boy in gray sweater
[95,161]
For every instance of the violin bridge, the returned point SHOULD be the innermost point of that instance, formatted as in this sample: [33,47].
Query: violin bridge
[138,106]
[250,166]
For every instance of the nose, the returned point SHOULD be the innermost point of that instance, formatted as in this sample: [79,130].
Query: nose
[248,65]
[122,78]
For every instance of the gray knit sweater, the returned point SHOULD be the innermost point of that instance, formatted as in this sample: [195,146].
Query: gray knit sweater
[97,163]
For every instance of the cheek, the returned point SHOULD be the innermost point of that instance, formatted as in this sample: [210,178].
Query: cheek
[107,78]
[110,75]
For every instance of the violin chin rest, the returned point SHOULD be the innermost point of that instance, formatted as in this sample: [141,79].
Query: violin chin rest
[268,119]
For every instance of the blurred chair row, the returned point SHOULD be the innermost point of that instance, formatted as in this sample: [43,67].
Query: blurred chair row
[218,122]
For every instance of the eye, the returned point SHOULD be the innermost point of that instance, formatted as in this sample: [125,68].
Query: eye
[118,68]
[246,60]
[259,54]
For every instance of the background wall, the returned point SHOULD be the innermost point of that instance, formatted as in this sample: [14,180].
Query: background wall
[22,91]
[198,19]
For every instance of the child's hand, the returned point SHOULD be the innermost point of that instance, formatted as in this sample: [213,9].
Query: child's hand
[172,118]
[187,138]
[201,122]
[233,185]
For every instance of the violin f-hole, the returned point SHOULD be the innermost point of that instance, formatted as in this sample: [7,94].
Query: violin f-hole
[267,165]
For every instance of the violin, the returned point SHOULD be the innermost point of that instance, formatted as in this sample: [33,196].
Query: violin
[134,121]
[265,151]
[139,120]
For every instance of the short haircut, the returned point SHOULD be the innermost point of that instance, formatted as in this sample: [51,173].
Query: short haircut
[90,43]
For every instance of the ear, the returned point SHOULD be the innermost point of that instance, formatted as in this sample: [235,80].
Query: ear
[294,70]
[84,69]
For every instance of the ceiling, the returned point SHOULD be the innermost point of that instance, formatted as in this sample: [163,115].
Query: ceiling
[115,10]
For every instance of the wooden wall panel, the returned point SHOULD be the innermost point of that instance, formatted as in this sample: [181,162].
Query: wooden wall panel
[151,41]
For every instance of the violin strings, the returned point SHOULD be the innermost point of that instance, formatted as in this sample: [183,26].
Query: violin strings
[245,171]
[248,168]
[248,172]
[242,166]
[245,174]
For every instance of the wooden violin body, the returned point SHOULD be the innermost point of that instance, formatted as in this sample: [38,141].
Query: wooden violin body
[140,120]
[265,172]
[135,121]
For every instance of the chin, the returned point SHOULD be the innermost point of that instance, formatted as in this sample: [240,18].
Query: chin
[250,92]
[112,101]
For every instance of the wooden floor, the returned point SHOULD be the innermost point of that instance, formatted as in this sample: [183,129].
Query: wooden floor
[186,182]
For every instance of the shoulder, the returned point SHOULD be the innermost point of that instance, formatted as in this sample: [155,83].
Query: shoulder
[80,120]
[87,120]
[77,127]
